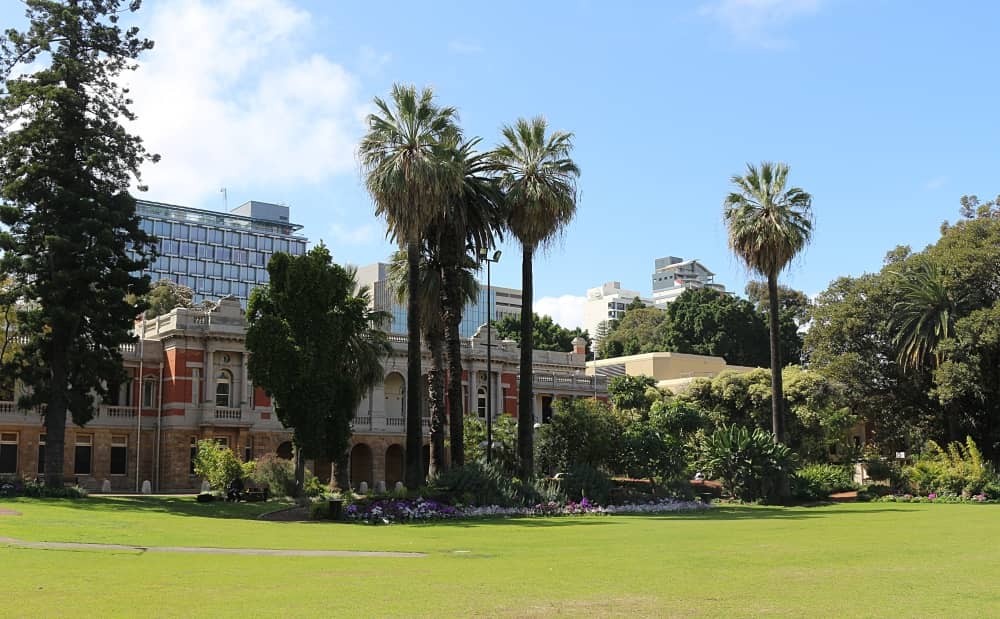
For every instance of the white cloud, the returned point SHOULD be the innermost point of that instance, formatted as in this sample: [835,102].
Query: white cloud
[755,21]
[227,97]
[566,310]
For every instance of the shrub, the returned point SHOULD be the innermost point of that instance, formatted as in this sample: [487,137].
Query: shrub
[216,464]
[319,510]
[313,487]
[819,481]
[958,469]
[647,452]
[481,484]
[580,432]
[38,489]
[750,464]
[275,473]
[583,481]
[504,453]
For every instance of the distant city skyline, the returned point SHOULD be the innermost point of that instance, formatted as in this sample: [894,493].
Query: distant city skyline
[884,112]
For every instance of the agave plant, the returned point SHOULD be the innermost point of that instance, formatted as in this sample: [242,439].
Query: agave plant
[749,463]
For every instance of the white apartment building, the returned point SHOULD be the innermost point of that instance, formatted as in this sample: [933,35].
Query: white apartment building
[605,303]
[673,275]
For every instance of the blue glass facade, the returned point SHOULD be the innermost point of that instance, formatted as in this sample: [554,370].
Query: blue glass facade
[213,253]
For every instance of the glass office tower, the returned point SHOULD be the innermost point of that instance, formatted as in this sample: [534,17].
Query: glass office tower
[216,253]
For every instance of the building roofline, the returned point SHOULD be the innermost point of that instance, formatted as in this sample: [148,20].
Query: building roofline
[229,215]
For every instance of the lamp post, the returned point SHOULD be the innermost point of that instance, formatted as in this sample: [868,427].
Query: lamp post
[484,255]
[593,349]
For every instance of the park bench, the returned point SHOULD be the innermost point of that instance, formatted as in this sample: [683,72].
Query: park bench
[254,494]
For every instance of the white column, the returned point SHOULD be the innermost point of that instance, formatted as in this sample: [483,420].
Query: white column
[208,397]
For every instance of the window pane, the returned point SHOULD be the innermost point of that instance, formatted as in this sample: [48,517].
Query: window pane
[8,458]
[81,460]
[119,459]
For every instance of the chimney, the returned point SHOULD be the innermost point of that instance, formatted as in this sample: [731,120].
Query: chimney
[579,346]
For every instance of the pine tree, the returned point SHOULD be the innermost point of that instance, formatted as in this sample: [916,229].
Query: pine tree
[72,239]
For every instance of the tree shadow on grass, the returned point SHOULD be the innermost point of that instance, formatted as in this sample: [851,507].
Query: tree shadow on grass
[179,506]
[761,513]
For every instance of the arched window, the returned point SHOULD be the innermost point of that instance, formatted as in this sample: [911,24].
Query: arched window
[223,388]
[481,402]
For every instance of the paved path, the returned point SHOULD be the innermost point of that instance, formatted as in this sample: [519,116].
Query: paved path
[210,551]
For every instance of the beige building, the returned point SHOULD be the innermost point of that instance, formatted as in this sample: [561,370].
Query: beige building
[671,370]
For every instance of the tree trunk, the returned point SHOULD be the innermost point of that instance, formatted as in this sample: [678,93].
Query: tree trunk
[55,423]
[414,474]
[777,392]
[456,401]
[525,391]
[340,471]
[300,473]
[435,388]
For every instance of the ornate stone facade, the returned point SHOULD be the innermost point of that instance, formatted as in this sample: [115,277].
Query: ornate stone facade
[189,381]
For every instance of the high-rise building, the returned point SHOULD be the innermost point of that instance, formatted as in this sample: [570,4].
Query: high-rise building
[216,254]
[604,304]
[503,301]
[673,275]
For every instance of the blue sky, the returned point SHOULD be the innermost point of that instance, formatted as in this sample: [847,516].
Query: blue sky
[885,112]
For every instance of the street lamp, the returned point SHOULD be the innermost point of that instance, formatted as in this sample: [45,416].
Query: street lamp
[593,349]
[484,255]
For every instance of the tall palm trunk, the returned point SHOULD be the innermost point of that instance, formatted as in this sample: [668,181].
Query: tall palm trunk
[777,391]
[414,474]
[55,424]
[435,389]
[452,306]
[525,392]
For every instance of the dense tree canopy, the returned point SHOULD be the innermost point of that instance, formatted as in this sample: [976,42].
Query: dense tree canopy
[165,295]
[702,322]
[546,333]
[72,240]
[916,344]
[316,348]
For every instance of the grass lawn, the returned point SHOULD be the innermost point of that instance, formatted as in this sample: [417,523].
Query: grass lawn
[841,560]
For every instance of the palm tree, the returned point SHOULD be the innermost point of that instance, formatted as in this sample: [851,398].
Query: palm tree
[408,178]
[923,317]
[538,181]
[474,220]
[429,297]
[768,226]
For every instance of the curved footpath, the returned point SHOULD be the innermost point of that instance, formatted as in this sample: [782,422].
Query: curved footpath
[210,551]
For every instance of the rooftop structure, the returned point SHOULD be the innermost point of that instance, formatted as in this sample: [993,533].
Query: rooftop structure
[673,275]
[215,253]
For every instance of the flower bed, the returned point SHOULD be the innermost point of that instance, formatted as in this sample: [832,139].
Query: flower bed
[935,498]
[390,511]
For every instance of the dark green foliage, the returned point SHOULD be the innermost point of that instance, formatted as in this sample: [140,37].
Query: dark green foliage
[638,331]
[584,481]
[276,474]
[580,432]
[315,347]
[546,334]
[957,469]
[750,465]
[916,345]
[481,484]
[702,322]
[165,295]
[218,465]
[647,451]
[706,322]
[816,482]
[504,443]
[72,238]
[630,392]
[820,419]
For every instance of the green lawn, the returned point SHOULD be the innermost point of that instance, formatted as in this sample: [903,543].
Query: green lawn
[843,560]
